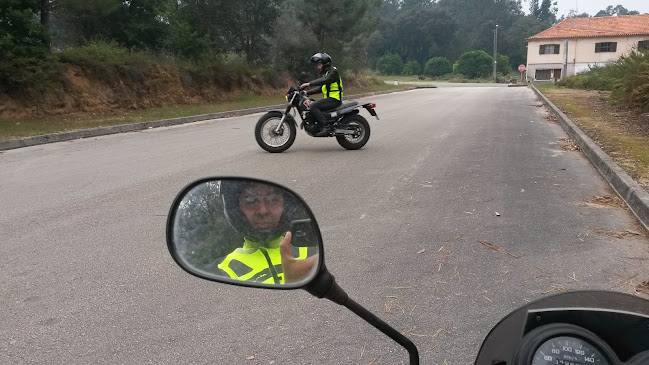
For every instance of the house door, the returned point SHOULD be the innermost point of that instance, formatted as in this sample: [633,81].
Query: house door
[557,74]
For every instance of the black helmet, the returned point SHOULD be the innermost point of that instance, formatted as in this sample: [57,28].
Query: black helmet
[230,192]
[322,57]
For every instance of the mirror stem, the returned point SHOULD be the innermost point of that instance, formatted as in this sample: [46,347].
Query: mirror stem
[337,295]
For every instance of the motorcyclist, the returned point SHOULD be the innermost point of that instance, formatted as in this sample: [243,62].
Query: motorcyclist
[331,85]
[263,214]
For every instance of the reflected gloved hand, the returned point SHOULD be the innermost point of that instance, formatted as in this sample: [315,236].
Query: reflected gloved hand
[294,270]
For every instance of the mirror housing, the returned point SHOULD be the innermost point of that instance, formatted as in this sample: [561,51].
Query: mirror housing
[234,230]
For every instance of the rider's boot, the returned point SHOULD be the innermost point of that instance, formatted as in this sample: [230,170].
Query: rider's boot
[325,130]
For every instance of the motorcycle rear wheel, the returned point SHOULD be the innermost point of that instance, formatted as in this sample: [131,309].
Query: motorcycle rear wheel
[361,133]
[270,140]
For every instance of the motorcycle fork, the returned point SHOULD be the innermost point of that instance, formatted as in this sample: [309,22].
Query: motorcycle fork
[281,122]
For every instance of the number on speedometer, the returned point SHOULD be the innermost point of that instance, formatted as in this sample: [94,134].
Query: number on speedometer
[566,350]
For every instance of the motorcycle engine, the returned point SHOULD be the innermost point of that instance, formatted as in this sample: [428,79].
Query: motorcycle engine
[311,127]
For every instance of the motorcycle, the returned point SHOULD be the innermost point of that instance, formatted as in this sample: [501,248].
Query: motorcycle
[276,130]
[572,328]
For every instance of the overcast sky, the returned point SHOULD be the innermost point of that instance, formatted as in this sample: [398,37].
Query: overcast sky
[593,6]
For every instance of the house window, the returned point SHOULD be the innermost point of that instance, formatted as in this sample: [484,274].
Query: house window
[543,75]
[605,47]
[549,49]
[643,45]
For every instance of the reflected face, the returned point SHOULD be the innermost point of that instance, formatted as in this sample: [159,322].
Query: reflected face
[320,66]
[263,205]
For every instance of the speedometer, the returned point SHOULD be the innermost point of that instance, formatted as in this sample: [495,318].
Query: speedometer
[567,350]
[563,344]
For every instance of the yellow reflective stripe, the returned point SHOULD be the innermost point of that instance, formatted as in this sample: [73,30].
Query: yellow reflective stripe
[257,262]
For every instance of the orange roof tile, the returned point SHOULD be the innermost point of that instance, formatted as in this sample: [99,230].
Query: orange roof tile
[608,26]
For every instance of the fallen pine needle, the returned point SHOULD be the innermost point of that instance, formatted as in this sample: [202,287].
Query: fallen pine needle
[413,309]
[499,249]
[635,258]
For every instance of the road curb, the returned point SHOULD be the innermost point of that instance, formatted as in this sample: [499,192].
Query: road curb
[123,128]
[636,198]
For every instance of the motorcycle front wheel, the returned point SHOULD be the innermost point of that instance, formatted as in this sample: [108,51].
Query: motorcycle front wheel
[361,135]
[271,140]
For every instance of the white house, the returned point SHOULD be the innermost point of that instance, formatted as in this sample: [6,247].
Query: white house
[575,44]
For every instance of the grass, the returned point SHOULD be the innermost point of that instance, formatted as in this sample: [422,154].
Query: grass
[545,86]
[621,133]
[11,129]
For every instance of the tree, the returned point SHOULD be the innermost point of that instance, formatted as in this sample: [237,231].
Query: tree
[291,50]
[202,232]
[512,42]
[416,33]
[23,46]
[545,10]
[338,22]
[475,64]
[255,20]
[389,64]
[476,20]
[438,66]
[503,65]
[411,68]
[617,10]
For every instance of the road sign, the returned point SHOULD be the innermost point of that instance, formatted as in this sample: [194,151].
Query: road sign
[521,68]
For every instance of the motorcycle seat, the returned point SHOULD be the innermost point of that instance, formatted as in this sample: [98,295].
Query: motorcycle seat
[342,106]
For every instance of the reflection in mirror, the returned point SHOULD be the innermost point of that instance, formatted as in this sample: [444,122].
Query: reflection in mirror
[237,229]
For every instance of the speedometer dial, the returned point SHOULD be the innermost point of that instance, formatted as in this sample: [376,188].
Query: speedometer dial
[563,344]
[567,350]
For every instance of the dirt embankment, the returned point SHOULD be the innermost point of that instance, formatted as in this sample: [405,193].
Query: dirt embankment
[101,88]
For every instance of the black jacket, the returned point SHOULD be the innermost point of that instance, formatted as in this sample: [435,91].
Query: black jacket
[331,78]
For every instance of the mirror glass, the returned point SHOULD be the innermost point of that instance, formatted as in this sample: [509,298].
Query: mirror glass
[244,231]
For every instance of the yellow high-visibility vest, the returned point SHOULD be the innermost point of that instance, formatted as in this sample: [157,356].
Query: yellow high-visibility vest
[261,264]
[334,90]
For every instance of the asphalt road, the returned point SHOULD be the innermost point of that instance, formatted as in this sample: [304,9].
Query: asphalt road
[86,277]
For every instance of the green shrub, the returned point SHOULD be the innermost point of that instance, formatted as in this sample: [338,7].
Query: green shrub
[630,75]
[28,76]
[475,64]
[627,78]
[597,78]
[438,66]
[389,64]
[105,52]
[503,66]
[411,68]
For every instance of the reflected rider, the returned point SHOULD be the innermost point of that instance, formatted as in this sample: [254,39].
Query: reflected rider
[263,213]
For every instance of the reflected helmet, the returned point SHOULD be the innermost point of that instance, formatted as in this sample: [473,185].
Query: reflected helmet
[230,192]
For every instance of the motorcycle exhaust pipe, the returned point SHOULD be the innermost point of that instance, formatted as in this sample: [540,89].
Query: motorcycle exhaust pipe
[344,131]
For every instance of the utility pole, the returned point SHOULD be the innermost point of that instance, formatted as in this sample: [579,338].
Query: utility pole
[495,51]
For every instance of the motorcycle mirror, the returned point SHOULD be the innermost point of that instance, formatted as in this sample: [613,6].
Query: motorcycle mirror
[304,77]
[234,230]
